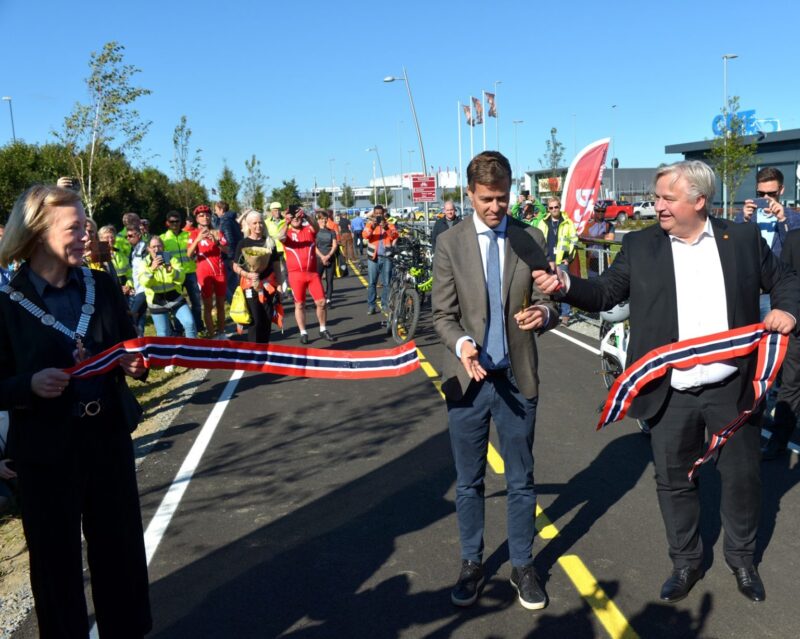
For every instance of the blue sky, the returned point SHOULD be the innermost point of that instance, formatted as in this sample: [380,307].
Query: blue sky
[300,83]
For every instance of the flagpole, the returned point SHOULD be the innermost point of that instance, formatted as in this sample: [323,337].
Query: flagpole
[496,117]
[471,135]
[483,101]
[460,164]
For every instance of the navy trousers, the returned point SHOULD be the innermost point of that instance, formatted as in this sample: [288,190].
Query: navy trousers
[498,399]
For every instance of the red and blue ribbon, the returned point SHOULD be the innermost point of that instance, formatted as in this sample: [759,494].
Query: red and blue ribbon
[249,356]
[727,345]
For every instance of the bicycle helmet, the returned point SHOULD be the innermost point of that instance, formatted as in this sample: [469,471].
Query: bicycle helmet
[619,313]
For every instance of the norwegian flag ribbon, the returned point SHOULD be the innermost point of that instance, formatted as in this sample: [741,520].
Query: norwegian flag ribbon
[263,358]
[701,350]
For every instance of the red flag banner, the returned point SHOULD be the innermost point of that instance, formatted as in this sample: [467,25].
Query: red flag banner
[468,113]
[582,184]
[492,112]
[478,110]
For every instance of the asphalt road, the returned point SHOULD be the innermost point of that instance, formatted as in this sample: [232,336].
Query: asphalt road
[326,509]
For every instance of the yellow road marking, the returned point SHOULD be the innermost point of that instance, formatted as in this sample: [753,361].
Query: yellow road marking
[607,612]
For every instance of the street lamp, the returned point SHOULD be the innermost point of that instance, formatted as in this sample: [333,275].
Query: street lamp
[333,184]
[496,116]
[391,78]
[383,179]
[614,162]
[516,154]
[7,98]
[725,58]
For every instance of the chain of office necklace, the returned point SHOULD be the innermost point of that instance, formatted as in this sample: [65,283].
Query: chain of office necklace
[87,309]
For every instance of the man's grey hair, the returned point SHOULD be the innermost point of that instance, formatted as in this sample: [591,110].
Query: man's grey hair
[699,176]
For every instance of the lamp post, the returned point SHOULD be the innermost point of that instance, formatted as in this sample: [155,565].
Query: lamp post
[7,98]
[383,178]
[333,184]
[391,78]
[496,117]
[613,156]
[516,154]
[726,121]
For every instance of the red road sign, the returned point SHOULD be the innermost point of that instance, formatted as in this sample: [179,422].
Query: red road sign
[423,188]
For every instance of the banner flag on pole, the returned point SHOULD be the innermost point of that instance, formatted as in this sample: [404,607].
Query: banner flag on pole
[478,110]
[468,113]
[583,183]
[492,112]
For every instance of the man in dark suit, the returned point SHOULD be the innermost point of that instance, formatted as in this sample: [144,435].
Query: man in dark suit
[445,223]
[687,276]
[787,407]
[485,315]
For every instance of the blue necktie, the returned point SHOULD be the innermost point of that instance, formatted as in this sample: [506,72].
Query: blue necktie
[494,345]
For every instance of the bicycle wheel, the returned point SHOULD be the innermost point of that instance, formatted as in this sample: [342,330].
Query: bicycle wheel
[405,316]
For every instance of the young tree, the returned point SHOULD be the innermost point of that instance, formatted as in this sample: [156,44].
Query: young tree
[228,187]
[730,157]
[381,197]
[108,121]
[347,198]
[553,155]
[288,193]
[454,195]
[324,199]
[187,166]
[254,184]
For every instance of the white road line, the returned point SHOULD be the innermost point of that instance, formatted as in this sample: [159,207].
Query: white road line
[569,338]
[158,525]
[169,504]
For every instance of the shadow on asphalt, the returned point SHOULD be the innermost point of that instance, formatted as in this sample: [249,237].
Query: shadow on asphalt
[311,564]
[594,490]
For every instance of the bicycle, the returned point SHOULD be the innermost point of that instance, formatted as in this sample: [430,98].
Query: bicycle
[404,301]
[614,337]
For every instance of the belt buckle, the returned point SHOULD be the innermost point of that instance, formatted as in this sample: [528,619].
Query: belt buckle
[90,409]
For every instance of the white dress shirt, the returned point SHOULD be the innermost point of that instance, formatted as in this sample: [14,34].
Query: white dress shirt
[702,304]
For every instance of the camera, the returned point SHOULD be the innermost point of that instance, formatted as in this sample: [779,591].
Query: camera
[378,220]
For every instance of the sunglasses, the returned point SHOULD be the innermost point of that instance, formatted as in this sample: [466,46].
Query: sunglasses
[173,221]
[773,194]
[553,208]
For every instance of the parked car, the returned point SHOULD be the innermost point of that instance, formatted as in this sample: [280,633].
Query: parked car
[644,210]
[616,211]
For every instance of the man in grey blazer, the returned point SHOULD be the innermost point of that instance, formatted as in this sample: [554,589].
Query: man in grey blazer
[485,314]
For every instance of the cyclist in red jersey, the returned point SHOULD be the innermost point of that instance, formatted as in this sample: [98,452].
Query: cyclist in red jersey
[301,264]
[207,246]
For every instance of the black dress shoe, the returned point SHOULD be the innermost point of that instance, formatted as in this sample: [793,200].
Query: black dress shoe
[469,584]
[749,582]
[680,582]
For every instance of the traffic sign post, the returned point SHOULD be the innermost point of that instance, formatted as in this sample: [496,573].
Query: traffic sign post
[423,188]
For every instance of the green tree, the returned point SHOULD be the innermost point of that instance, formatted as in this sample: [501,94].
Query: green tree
[254,184]
[454,195]
[288,193]
[107,122]
[187,165]
[347,198]
[324,199]
[228,187]
[553,154]
[383,197]
[730,156]
[22,165]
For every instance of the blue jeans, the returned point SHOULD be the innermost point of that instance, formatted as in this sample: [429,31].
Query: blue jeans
[381,268]
[232,280]
[565,308]
[514,415]
[138,306]
[193,291]
[184,316]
